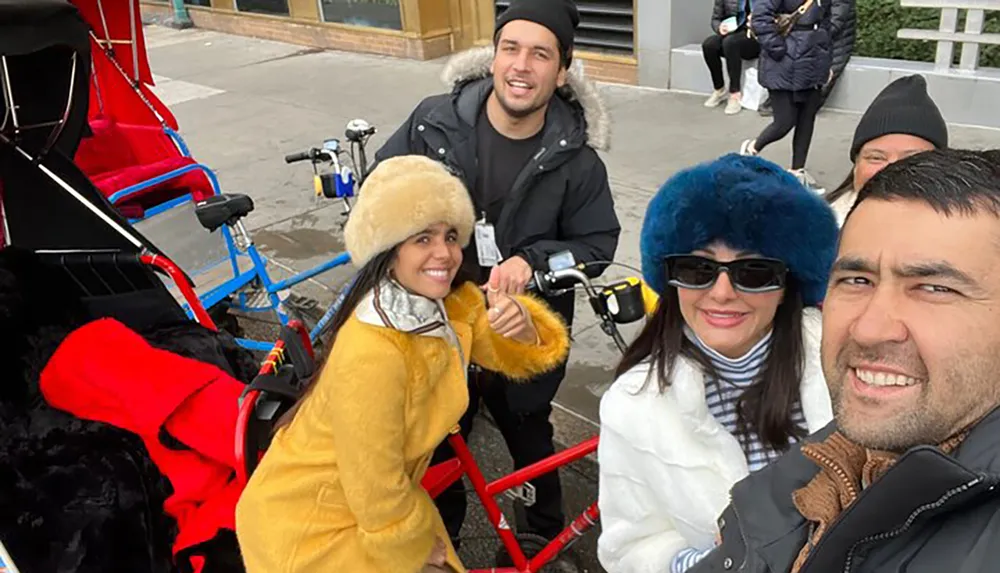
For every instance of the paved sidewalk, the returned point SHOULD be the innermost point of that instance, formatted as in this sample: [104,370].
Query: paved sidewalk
[243,104]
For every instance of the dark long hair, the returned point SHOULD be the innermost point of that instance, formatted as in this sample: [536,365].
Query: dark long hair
[364,281]
[766,406]
[843,189]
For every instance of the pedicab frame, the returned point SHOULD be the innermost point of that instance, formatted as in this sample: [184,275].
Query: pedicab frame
[121,91]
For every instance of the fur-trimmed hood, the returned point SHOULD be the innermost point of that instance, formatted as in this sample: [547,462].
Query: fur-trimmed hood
[474,64]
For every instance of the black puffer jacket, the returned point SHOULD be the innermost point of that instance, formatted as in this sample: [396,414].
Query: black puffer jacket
[726,9]
[561,200]
[843,33]
[801,60]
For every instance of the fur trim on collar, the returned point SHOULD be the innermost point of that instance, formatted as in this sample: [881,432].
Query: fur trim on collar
[475,63]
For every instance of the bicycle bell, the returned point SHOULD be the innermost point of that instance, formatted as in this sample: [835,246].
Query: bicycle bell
[358,129]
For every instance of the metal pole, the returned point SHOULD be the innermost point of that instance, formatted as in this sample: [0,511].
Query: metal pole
[181,19]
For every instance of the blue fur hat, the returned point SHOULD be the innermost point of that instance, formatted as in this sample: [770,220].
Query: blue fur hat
[748,203]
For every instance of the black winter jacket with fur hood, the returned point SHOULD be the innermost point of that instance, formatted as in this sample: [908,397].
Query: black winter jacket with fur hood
[561,200]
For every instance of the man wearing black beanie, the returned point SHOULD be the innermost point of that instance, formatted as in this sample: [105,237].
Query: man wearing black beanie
[561,17]
[902,120]
[521,129]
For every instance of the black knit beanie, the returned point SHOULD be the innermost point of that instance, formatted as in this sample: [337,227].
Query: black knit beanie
[902,107]
[559,16]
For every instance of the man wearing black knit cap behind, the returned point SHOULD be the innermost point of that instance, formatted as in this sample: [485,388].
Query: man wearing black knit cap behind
[902,120]
[520,128]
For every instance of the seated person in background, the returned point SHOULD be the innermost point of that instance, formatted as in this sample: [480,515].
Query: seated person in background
[726,374]
[906,478]
[729,40]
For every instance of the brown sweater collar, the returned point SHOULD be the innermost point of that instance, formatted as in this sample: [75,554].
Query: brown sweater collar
[846,469]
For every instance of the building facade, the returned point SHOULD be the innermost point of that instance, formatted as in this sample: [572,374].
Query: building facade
[418,29]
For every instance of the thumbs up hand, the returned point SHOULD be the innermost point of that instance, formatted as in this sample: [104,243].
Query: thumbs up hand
[506,316]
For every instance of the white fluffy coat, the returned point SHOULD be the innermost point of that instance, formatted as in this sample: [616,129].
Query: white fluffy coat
[667,465]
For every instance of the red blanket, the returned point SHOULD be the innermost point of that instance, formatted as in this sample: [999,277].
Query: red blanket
[108,373]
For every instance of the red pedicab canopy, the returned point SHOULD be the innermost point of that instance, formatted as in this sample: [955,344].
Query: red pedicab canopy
[121,79]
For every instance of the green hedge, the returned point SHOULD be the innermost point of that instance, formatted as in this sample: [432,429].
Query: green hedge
[878,21]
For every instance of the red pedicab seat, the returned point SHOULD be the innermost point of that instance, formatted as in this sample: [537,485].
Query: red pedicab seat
[119,155]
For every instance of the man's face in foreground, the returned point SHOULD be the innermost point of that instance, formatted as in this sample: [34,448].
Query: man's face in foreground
[911,324]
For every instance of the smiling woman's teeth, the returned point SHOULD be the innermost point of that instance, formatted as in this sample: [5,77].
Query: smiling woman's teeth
[883,379]
[437,274]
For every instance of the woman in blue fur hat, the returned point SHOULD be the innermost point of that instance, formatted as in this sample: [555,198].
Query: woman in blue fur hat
[726,374]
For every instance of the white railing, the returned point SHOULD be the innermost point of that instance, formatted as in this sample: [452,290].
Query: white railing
[947,36]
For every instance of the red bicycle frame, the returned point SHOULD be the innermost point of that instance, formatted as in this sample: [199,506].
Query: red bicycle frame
[488,492]
[187,291]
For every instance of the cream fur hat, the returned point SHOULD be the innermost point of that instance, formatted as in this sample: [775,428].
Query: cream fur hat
[402,197]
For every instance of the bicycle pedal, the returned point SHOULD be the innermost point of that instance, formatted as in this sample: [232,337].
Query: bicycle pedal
[525,493]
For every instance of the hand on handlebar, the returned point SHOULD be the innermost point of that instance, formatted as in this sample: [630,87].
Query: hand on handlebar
[512,276]
[506,316]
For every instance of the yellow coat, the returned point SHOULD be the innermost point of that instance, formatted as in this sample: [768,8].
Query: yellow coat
[339,489]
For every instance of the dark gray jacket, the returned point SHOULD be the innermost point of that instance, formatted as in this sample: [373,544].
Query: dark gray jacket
[801,60]
[843,32]
[727,8]
[930,513]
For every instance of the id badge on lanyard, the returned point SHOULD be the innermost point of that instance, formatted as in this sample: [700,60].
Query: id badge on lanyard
[486,244]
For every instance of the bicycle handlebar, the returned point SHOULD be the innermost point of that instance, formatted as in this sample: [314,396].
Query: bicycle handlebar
[612,304]
[544,280]
[301,156]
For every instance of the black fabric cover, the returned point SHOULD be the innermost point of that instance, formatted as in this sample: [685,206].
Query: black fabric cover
[80,496]
[42,215]
[42,36]
[28,26]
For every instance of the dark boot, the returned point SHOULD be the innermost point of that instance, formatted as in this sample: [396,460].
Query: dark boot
[765,109]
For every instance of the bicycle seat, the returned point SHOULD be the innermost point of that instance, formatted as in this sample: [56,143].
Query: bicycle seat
[224,209]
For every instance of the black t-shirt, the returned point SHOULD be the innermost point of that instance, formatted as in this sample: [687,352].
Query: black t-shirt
[500,160]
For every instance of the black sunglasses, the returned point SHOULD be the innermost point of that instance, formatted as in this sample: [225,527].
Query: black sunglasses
[753,275]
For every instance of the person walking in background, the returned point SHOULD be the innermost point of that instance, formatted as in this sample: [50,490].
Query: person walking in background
[843,33]
[901,121]
[729,40]
[794,66]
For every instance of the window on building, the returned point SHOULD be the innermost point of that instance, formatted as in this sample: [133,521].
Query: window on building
[273,7]
[605,25]
[372,13]
[198,2]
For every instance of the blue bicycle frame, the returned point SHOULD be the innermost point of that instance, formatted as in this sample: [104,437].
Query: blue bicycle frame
[258,270]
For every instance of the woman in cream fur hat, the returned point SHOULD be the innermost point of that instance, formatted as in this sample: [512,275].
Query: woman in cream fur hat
[339,488]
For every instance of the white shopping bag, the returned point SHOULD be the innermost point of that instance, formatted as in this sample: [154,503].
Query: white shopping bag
[753,93]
